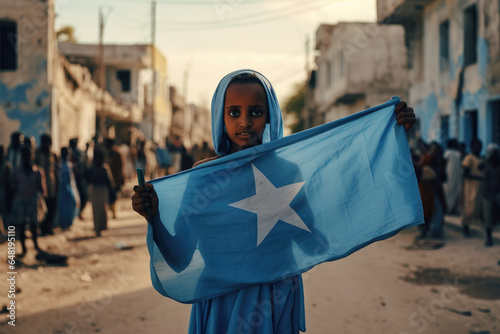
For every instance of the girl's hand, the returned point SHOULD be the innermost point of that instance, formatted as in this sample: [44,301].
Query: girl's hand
[143,198]
[405,115]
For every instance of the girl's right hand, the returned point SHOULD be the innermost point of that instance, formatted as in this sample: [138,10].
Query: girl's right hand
[143,198]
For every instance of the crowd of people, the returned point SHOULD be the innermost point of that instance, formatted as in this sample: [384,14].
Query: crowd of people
[45,191]
[456,182]
[42,190]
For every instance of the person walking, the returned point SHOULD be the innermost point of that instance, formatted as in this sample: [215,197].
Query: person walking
[453,185]
[473,183]
[69,199]
[491,192]
[100,190]
[47,160]
[28,188]
[5,187]
[115,163]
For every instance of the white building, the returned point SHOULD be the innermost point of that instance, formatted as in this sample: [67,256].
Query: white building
[129,78]
[359,65]
[453,64]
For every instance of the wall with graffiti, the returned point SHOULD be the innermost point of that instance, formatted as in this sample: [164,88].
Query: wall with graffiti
[25,90]
[456,92]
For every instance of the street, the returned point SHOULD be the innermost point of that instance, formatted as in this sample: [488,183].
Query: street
[393,286]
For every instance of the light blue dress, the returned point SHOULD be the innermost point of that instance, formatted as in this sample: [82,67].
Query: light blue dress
[276,308]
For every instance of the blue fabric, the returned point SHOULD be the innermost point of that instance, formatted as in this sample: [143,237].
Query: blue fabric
[276,308]
[355,184]
[66,199]
[274,129]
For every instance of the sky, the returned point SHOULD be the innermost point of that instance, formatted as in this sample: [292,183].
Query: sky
[209,38]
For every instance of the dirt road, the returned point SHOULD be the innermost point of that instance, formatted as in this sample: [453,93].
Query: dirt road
[393,286]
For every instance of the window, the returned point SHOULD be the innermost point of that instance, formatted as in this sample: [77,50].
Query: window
[470,35]
[124,77]
[444,46]
[8,45]
[495,112]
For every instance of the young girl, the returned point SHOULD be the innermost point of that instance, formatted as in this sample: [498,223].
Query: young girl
[245,113]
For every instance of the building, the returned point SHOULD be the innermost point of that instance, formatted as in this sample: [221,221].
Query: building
[190,122]
[454,65]
[129,77]
[40,91]
[359,65]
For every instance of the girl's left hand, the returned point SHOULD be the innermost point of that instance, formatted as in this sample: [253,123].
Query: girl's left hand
[405,115]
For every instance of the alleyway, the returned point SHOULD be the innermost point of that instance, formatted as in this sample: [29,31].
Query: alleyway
[393,286]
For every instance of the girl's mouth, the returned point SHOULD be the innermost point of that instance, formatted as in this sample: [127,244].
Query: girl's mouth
[245,134]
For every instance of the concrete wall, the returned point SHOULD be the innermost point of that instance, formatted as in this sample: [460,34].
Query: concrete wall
[360,65]
[25,93]
[144,83]
[433,92]
[75,104]
[46,93]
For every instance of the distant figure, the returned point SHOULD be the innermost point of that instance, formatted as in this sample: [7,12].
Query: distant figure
[28,184]
[100,190]
[187,159]
[438,164]
[473,182]
[30,141]
[426,176]
[5,187]
[126,150]
[453,185]
[491,192]
[14,149]
[78,170]
[69,198]
[175,151]
[46,159]
[115,162]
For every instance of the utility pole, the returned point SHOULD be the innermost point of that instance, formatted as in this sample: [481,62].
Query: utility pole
[153,67]
[102,76]
[305,112]
[308,42]
[188,119]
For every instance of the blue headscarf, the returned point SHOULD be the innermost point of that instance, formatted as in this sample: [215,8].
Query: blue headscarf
[274,128]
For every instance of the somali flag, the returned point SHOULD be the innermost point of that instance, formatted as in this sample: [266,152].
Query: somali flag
[276,210]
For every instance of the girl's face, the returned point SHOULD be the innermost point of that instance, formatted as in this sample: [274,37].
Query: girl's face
[245,114]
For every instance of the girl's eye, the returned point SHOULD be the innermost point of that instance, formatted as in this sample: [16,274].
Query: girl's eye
[234,113]
[257,113]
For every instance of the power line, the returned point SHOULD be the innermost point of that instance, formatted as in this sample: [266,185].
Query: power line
[247,17]
[222,25]
[211,2]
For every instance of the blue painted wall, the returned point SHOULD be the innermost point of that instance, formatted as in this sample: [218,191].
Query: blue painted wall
[30,108]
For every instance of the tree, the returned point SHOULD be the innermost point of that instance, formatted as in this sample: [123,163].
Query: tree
[66,34]
[295,105]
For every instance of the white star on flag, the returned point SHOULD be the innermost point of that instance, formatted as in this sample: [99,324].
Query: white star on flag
[271,204]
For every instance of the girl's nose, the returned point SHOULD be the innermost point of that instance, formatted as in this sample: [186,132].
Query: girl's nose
[246,121]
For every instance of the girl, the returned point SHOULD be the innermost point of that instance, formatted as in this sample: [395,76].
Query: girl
[245,113]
